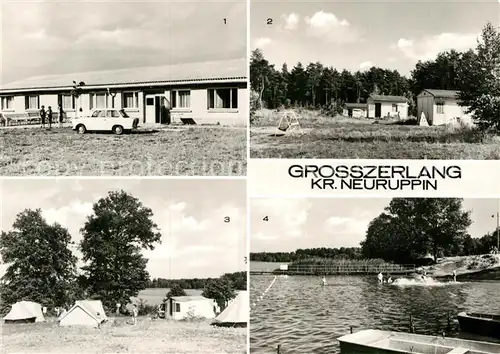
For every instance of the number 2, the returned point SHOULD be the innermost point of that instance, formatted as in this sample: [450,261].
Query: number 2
[269,21]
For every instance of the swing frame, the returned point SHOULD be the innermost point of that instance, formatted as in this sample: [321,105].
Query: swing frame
[291,120]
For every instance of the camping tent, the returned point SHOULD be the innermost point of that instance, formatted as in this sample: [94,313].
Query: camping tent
[84,313]
[236,314]
[25,311]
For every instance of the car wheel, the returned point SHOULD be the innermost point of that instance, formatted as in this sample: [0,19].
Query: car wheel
[118,130]
[81,129]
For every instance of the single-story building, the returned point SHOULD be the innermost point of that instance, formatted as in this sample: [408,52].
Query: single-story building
[356,110]
[380,106]
[84,313]
[208,92]
[441,107]
[181,307]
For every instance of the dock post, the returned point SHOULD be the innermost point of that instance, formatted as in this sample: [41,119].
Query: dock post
[350,327]
[279,349]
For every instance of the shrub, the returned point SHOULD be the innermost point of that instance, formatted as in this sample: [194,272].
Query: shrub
[254,106]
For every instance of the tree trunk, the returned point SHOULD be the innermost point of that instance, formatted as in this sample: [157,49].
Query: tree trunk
[261,93]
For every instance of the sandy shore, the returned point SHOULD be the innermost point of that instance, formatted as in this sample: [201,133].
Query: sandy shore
[463,265]
[118,336]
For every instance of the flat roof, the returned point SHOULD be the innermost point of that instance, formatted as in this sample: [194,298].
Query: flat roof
[210,71]
[387,98]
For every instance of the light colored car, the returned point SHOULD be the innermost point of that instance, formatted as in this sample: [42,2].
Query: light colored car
[106,120]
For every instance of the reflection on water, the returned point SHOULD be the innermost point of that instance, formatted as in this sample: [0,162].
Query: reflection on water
[304,317]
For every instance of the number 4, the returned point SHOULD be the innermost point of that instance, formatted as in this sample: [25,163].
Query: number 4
[266,218]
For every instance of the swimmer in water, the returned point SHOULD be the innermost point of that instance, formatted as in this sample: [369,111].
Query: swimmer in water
[454,275]
[323,281]
[389,280]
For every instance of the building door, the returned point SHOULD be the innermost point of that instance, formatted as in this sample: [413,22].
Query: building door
[150,116]
[378,110]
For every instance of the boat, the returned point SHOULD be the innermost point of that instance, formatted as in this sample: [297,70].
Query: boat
[479,323]
[383,342]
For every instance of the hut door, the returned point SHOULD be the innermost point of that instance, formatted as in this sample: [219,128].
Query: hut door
[378,110]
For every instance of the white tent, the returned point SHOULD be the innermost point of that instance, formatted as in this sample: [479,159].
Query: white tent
[236,313]
[84,313]
[25,311]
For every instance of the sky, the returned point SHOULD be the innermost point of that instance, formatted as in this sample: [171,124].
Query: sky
[58,37]
[356,35]
[336,222]
[196,242]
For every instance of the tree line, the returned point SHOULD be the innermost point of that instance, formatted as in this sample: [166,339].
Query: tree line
[307,253]
[238,279]
[43,268]
[475,74]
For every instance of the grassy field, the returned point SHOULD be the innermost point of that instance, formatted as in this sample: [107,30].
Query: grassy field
[118,336]
[176,151]
[348,138]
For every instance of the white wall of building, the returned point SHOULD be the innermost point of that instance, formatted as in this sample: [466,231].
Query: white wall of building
[198,308]
[387,109]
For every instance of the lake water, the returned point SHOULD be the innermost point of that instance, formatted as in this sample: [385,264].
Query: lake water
[305,317]
[155,296]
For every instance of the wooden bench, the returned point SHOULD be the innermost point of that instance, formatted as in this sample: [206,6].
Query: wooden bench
[9,119]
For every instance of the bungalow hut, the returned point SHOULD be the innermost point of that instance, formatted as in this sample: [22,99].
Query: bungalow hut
[355,110]
[192,93]
[181,307]
[380,106]
[441,107]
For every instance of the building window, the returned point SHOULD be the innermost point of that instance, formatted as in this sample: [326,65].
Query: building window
[222,98]
[68,101]
[32,102]
[7,102]
[177,307]
[440,108]
[99,100]
[180,99]
[395,108]
[131,100]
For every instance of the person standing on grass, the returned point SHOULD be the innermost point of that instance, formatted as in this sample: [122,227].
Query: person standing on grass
[49,116]
[61,116]
[42,116]
[135,312]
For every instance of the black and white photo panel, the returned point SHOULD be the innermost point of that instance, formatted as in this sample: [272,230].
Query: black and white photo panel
[375,79]
[372,275]
[123,266]
[106,88]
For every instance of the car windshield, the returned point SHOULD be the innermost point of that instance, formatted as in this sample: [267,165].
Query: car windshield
[124,114]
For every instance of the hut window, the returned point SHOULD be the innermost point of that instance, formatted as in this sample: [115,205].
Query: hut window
[181,99]
[440,108]
[7,102]
[394,107]
[131,99]
[177,307]
[68,101]
[222,98]
[32,102]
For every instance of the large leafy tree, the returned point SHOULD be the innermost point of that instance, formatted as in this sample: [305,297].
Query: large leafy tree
[176,290]
[480,77]
[113,237]
[411,228]
[221,290]
[41,267]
